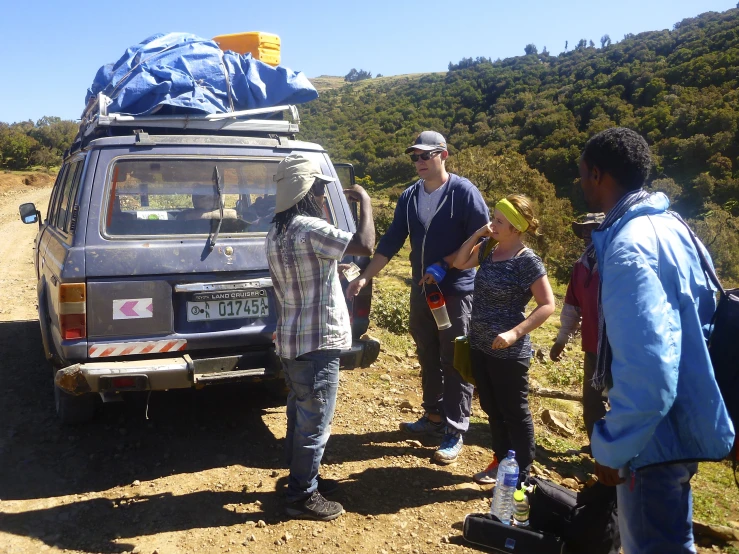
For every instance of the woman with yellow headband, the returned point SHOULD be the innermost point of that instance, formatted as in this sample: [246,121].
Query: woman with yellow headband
[510,274]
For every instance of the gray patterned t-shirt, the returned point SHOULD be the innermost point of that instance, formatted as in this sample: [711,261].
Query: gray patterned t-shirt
[502,291]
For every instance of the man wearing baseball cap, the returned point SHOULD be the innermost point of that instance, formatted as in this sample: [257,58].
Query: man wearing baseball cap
[580,311]
[439,212]
[313,320]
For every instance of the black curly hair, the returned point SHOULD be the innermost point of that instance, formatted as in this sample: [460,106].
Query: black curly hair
[622,153]
[308,205]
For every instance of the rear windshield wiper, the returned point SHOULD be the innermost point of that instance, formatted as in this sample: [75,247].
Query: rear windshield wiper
[219,188]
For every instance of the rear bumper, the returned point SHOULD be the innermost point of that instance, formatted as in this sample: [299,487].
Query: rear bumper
[180,372]
[184,372]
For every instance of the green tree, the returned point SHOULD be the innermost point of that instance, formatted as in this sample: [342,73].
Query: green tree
[353,76]
[16,147]
[679,88]
[497,176]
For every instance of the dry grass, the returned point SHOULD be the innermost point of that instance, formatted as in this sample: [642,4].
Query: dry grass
[19,180]
[328,82]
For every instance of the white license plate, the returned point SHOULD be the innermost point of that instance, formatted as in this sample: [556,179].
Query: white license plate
[228,309]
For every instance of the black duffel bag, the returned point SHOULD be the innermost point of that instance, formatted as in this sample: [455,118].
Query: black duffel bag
[586,521]
[487,530]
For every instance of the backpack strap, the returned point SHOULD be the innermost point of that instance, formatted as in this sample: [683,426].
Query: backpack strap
[707,268]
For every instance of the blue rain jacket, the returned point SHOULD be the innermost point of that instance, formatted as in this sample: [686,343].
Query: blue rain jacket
[183,73]
[658,304]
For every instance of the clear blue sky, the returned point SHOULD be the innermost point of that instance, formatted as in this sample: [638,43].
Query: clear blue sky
[52,49]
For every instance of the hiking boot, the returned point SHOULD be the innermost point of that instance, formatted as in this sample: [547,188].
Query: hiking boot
[314,507]
[451,445]
[327,487]
[423,426]
[489,475]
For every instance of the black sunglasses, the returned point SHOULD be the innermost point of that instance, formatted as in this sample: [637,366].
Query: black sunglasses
[425,156]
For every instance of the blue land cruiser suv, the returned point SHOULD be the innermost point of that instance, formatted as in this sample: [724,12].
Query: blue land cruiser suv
[151,266]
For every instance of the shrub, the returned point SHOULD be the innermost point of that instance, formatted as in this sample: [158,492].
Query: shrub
[390,309]
[383,216]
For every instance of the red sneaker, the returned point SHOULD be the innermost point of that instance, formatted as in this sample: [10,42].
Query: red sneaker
[489,475]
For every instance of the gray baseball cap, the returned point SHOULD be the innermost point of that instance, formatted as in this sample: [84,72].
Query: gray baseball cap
[429,141]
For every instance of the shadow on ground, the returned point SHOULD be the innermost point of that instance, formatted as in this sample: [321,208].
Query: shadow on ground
[186,432]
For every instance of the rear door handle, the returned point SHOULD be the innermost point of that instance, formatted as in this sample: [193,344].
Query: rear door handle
[257,283]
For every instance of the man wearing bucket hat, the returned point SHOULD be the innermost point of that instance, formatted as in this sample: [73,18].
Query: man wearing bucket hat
[439,212]
[312,322]
[580,311]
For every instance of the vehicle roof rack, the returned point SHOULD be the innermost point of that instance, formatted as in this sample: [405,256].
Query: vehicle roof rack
[261,120]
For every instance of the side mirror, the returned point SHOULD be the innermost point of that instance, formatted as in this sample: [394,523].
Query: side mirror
[29,213]
[346,174]
[347,180]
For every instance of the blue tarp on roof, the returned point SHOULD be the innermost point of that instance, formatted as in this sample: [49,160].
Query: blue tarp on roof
[183,73]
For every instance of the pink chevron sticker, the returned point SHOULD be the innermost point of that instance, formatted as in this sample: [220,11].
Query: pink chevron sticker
[133,308]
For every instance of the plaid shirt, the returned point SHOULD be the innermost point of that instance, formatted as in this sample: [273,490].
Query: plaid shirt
[302,261]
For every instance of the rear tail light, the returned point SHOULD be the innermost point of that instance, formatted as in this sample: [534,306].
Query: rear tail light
[124,382]
[73,310]
[362,306]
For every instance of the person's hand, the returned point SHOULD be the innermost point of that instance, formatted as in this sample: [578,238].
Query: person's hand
[504,340]
[341,268]
[355,194]
[485,231]
[355,286]
[607,475]
[428,279]
[555,352]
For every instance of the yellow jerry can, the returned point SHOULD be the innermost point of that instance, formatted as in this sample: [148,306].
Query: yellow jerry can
[262,46]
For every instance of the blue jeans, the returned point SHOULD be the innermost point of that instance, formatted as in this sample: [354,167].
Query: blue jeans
[655,509]
[313,380]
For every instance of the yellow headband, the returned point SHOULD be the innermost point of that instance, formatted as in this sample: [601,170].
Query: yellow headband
[513,216]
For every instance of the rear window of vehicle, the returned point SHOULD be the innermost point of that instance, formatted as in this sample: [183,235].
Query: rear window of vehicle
[179,196]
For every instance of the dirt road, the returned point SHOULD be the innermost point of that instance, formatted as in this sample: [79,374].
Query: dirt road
[203,473]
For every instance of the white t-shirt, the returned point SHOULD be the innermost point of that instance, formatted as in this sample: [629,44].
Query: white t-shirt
[428,202]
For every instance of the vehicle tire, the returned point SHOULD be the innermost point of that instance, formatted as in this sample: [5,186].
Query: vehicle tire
[277,389]
[44,322]
[73,410]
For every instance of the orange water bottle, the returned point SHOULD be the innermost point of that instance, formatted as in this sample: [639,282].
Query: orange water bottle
[437,304]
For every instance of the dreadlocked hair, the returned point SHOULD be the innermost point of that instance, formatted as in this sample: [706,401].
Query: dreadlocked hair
[308,206]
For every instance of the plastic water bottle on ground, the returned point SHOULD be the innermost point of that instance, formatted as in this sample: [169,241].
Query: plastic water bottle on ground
[502,505]
[520,508]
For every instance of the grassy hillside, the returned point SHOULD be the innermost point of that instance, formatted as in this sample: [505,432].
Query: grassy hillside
[678,87]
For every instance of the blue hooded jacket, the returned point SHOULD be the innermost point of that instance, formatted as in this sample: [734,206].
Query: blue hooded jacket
[461,212]
[658,304]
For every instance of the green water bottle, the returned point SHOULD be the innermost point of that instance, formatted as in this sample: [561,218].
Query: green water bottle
[520,508]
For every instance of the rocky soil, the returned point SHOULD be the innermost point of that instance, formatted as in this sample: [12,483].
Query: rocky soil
[201,471]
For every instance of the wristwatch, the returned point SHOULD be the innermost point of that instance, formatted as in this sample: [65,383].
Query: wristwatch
[444,265]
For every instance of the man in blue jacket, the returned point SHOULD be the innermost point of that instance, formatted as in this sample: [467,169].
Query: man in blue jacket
[655,305]
[440,212]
